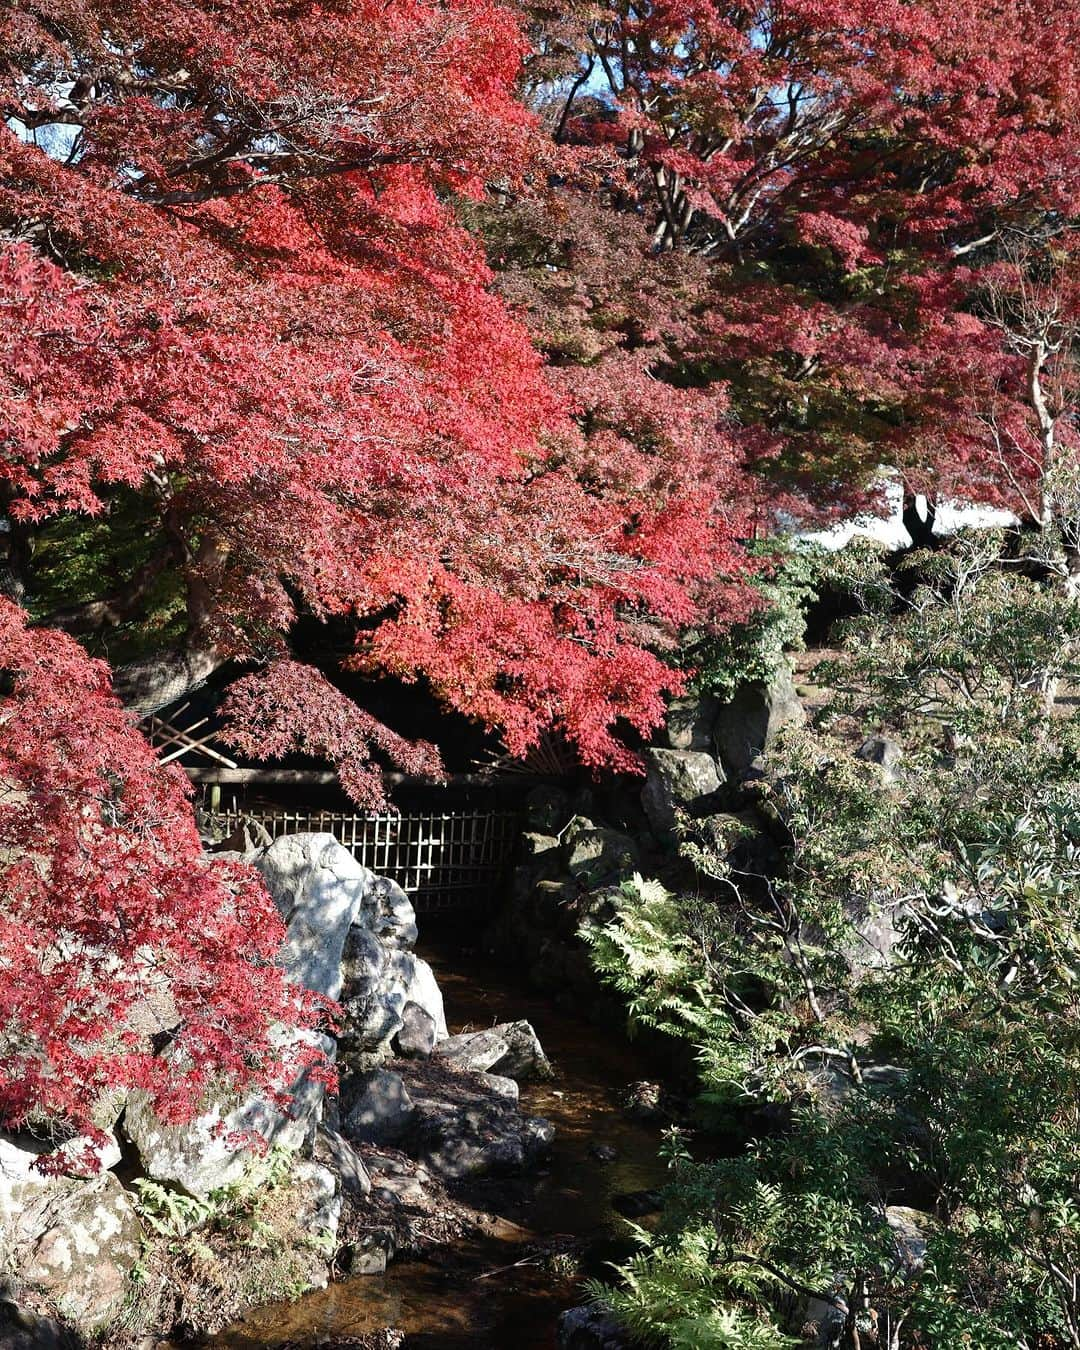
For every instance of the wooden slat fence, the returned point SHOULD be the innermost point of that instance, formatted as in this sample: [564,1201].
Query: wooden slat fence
[443,859]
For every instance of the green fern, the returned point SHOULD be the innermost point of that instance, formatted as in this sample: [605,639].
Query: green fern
[674,1295]
[168,1212]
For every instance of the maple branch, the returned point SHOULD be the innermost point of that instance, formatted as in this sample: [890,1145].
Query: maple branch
[112,610]
[219,191]
[960,250]
[574,89]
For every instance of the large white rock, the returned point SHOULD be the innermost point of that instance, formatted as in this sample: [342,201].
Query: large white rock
[213,1149]
[319,889]
[348,937]
[21,1181]
[26,1192]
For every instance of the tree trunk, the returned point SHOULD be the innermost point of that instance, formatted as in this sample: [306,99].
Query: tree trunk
[1047,422]
[153,682]
[110,611]
[918,516]
[16,557]
[1070,537]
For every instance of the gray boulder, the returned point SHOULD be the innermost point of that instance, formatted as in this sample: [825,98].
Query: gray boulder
[643,1101]
[473,1050]
[208,1152]
[909,1229]
[690,722]
[389,913]
[589,1328]
[85,1242]
[883,752]
[380,981]
[22,1188]
[524,1058]
[740,839]
[831,1082]
[535,845]
[466,1126]
[21,1329]
[335,1152]
[422,989]
[318,1203]
[877,928]
[592,854]
[368,1023]
[677,780]
[823,1321]
[371,1255]
[408,1191]
[417,1036]
[504,1087]
[377,1108]
[747,725]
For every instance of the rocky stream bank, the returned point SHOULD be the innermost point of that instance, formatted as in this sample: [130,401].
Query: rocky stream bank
[459,1185]
[506,1258]
[424,1199]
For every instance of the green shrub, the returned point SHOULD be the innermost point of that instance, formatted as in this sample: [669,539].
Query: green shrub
[945,1078]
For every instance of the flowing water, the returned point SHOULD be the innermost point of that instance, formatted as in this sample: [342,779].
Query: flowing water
[491,1294]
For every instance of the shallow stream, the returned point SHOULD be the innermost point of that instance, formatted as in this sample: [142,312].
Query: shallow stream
[498,1294]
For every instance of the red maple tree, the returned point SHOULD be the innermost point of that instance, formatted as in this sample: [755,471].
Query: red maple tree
[119,936]
[265,320]
[250,353]
[847,171]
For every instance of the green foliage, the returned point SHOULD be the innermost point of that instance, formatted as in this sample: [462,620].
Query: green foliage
[751,651]
[976,650]
[174,1214]
[904,987]
[168,1212]
[671,1294]
[794,573]
[78,556]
